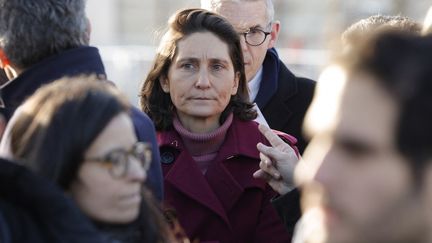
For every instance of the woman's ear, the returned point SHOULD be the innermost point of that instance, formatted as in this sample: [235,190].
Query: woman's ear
[164,83]
[236,83]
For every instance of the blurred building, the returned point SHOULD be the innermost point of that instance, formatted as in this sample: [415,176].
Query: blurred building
[128,31]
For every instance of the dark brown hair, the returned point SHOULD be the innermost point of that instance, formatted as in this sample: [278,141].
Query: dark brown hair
[156,103]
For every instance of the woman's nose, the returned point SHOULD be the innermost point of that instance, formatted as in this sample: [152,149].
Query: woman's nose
[136,171]
[203,81]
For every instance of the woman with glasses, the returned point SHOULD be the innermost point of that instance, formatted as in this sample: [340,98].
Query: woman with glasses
[78,134]
[196,93]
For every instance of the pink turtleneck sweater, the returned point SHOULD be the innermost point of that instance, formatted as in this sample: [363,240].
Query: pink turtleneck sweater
[203,147]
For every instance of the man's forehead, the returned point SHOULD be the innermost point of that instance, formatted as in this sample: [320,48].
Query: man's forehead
[243,15]
[367,112]
[354,106]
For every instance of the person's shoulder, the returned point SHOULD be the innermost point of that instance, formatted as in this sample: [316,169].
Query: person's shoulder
[33,204]
[286,72]
[297,84]
[140,118]
[247,130]
[144,126]
[246,125]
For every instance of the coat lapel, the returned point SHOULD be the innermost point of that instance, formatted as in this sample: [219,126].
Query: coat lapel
[278,86]
[232,171]
[186,177]
[226,179]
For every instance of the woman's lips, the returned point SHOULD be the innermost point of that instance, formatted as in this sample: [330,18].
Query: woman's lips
[132,198]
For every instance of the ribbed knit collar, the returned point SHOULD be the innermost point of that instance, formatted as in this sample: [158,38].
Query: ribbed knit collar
[199,144]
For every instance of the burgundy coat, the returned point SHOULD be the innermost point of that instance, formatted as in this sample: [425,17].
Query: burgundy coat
[226,204]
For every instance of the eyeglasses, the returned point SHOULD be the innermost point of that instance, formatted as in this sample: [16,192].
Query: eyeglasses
[118,161]
[255,36]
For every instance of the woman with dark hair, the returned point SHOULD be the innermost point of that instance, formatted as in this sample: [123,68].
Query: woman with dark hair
[196,94]
[78,134]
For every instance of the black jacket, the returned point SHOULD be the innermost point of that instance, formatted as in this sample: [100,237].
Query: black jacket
[77,61]
[284,98]
[32,209]
[288,209]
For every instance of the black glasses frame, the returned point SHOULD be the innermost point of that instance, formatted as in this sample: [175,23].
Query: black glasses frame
[266,33]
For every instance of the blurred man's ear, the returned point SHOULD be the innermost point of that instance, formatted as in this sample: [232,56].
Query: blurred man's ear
[4,61]
[274,33]
[10,71]
[7,73]
[2,125]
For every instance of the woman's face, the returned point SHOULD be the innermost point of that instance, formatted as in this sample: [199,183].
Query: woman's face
[99,194]
[201,78]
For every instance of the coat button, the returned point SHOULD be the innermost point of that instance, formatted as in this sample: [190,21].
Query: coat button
[167,157]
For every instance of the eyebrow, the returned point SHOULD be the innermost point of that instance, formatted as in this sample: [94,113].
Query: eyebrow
[356,145]
[197,60]
[252,27]
[188,59]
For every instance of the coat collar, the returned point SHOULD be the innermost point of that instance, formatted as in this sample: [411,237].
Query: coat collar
[80,60]
[238,141]
[225,180]
[270,80]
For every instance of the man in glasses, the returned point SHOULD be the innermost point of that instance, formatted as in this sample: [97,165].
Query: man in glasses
[281,97]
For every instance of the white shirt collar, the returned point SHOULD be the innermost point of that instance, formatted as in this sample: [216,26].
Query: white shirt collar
[254,84]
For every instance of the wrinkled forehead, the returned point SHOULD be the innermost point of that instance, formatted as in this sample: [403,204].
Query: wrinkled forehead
[243,14]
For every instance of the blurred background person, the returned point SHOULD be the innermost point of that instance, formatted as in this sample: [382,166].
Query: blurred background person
[366,175]
[278,162]
[280,96]
[196,94]
[367,170]
[427,25]
[36,54]
[96,159]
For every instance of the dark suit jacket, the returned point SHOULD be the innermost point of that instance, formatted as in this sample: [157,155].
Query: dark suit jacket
[76,61]
[284,98]
[288,208]
[226,204]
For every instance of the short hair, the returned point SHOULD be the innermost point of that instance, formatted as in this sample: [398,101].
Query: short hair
[399,62]
[375,23]
[33,30]
[55,126]
[214,5]
[156,103]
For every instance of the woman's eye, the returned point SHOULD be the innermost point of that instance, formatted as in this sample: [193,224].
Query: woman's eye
[187,66]
[218,67]
[116,158]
